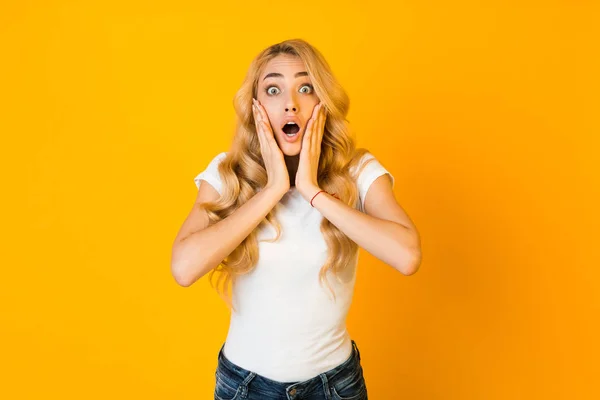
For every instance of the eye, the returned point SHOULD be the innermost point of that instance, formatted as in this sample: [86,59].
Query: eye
[273,92]
[268,90]
[308,86]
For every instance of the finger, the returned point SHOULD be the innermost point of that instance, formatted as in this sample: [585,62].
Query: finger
[315,125]
[266,136]
[260,108]
[259,129]
[267,131]
[310,127]
[314,117]
[262,112]
[257,113]
[315,112]
[307,133]
[256,116]
[324,120]
[317,130]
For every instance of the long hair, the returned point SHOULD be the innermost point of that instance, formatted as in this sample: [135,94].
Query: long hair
[243,172]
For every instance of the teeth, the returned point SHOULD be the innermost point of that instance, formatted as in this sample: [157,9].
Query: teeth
[291,134]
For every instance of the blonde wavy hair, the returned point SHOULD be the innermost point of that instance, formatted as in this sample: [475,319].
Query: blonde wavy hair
[243,171]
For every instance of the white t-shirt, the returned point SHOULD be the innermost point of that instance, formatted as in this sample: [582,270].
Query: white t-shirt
[287,326]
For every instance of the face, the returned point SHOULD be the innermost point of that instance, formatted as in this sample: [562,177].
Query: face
[286,92]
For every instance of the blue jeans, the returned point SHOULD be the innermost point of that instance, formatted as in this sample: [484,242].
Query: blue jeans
[344,382]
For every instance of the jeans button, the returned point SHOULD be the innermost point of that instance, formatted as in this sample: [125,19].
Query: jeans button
[293,391]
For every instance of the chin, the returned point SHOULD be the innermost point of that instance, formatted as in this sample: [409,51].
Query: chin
[290,149]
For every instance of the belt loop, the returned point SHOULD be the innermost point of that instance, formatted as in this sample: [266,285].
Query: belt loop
[245,383]
[356,347]
[325,386]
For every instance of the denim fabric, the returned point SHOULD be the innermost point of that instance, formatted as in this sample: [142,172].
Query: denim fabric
[344,382]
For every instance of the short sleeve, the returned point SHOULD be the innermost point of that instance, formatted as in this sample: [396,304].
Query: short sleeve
[211,173]
[372,171]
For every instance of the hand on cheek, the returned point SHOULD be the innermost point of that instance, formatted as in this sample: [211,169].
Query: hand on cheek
[306,176]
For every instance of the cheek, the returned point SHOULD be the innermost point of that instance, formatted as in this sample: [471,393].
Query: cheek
[269,114]
[311,108]
[263,100]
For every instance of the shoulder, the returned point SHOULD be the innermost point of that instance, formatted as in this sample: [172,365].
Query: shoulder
[211,173]
[366,167]
[219,157]
[366,170]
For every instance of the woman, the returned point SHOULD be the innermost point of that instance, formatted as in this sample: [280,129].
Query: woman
[280,216]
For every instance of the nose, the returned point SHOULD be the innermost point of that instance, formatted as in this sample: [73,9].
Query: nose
[290,104]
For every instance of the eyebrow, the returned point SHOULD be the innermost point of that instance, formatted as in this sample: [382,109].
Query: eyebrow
[278,75]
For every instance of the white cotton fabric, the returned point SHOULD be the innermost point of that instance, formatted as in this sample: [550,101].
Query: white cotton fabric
[287,326]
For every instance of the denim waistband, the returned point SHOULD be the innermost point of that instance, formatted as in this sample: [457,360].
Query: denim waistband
[295,388]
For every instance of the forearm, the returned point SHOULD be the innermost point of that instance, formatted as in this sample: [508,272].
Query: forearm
[203,250]
[392,243]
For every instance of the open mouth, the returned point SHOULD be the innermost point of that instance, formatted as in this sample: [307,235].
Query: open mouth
[291,129]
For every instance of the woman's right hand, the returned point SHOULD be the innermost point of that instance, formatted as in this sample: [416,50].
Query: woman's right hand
[277,172]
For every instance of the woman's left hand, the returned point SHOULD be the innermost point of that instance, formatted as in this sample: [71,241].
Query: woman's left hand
[306,176]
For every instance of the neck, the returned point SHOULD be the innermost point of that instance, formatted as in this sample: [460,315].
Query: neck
[291,162]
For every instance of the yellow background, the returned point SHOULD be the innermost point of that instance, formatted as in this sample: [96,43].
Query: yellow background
[486,112]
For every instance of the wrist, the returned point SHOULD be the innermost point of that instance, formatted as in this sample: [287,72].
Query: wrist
[321,192]
[275,192]
[310,192]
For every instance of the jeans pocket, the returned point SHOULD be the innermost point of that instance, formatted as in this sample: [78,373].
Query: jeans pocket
[226,389]
[352,387]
